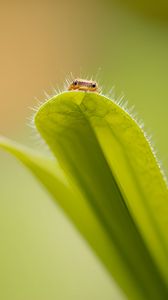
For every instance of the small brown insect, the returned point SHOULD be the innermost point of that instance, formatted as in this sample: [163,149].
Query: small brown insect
[83,85]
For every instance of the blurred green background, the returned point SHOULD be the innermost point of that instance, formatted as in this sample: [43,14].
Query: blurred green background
[41,255]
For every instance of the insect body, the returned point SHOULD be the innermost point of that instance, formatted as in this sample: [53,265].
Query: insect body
[84,85]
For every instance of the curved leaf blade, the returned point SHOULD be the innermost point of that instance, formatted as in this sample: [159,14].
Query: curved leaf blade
[73,124]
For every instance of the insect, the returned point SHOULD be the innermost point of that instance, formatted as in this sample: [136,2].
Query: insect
[83,85]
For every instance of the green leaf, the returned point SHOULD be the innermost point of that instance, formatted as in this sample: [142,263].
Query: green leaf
[111,187]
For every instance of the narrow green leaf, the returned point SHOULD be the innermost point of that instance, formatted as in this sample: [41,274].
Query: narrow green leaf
[111,187]
[71,201]
[106,154]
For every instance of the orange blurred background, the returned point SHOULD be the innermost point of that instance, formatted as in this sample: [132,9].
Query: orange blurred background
[41,42]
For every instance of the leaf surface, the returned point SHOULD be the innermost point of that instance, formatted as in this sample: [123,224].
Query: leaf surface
[111,187]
